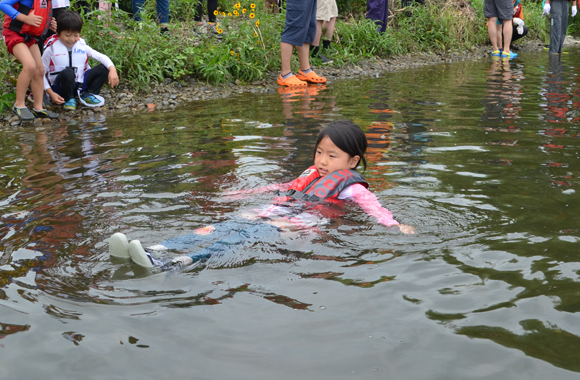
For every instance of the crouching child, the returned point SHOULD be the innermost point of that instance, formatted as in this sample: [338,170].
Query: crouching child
[66,65]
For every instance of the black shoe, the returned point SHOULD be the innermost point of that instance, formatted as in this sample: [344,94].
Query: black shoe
[164,31]
[324,59]
[514,47]
[23,113]
[45,114]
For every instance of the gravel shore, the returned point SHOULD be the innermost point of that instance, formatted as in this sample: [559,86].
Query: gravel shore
[170,94]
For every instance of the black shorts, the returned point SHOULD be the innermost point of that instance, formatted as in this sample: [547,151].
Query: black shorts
[300,24]
[502,9]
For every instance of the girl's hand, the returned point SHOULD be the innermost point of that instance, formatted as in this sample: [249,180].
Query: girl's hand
[32,19]
[406,229]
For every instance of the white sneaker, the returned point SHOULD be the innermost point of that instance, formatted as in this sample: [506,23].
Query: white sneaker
[138,254]
[119,246]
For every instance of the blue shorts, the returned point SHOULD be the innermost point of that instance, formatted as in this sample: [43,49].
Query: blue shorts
[300,24]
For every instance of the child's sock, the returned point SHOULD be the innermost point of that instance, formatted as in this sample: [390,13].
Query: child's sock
[306,71]
[314,51]
[326,44]
[286,76]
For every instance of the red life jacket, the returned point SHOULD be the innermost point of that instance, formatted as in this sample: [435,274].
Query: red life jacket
[311,187]
[41,8]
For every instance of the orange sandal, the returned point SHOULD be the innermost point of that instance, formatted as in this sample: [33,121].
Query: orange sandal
[311,77]
[291,81]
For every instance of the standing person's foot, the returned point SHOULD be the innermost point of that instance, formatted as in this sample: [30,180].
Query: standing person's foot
[323,59]
[310,76]
[508,54]
[45,114]
[119,246]
[70,105]
[290,81]
[23,113]
[496,53]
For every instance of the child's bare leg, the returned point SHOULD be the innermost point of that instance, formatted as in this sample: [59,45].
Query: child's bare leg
[24,55]
[37,84]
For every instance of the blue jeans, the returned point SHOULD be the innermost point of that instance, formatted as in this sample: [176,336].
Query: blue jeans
[162,10]
[228,238]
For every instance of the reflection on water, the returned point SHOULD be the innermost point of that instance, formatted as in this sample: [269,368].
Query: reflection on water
[481,157]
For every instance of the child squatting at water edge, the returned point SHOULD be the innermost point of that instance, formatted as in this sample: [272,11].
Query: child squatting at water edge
[299,204]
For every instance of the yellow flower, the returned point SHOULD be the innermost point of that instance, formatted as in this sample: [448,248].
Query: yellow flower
[252,15]
[255,34]
[229,14]
[215,12]
[238,55]
[244,10]
[258,42]
[220,31]
[231,52]
[258,23]
[223,13]
[238,5]
[252,5]
[236,13]
[217,24]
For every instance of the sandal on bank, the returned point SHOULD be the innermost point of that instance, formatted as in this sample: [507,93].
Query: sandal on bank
[311,77]
[291,81]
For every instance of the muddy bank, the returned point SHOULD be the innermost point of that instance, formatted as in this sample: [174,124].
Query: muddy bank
[170,94]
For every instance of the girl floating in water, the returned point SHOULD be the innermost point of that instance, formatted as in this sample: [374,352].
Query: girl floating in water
[301,203]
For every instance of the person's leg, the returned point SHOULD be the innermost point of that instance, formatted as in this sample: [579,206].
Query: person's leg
[303,56]
[212,6]
[329,27]
[286,53]
[163,12]
[198,12]
[23,54]
[137,6]
[66,81]
[564,26]
[316,41]
[95,78]
[499,34]
[507,34]
[556,26]
[37,83]
[492,31]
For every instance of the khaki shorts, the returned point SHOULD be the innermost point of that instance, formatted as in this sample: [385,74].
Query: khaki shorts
[326,9]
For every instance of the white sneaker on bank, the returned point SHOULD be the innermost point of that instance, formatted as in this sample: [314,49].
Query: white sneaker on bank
[119,246]
[139,256]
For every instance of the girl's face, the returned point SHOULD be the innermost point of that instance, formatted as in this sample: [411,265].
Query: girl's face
[330,158]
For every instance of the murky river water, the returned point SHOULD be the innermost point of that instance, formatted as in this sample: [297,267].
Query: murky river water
[481,157]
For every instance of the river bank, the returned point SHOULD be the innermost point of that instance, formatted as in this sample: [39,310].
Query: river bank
[170,94]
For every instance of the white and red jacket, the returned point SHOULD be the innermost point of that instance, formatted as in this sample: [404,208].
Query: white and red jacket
[57,57]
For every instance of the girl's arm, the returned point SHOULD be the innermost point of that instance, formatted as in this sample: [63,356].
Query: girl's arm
[370,204]
[6,6]
[260,190]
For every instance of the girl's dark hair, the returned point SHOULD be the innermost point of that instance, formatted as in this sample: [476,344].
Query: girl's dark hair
[348,137]
[69,21]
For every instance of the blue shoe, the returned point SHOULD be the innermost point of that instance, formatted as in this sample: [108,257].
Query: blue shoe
[70,104]
[89,98]
[510,55]
[496,53]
